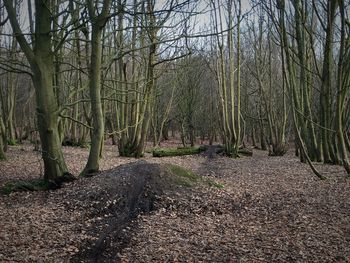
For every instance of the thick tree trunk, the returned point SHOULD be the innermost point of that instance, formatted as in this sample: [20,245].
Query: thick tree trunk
[47,116]
[47,108]
[41,62]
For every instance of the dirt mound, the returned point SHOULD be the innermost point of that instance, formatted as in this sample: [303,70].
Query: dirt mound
[120,196]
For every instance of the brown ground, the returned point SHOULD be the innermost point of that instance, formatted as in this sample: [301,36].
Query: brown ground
[271,209]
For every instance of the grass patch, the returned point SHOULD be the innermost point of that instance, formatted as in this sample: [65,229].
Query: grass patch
[187,178]
[180,151]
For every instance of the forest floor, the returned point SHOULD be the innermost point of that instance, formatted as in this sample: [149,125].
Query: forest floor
[270,209]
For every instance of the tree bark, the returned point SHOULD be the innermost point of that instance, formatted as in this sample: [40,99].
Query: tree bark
[98,23]
[41,62]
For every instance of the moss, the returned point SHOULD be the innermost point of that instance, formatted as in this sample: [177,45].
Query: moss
[163,152]
[12,142]
[200,148]
[30,185]
[182,172]
[212,183]
[188,178]
[182,176]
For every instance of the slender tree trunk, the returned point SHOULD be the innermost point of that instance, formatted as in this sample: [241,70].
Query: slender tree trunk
[238,130]
[325,95]
[98,23]
[308,131]
[2,152]
[92,165]
[2,129]
[11,101]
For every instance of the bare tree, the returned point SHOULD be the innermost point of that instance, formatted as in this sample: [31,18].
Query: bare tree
[41,60]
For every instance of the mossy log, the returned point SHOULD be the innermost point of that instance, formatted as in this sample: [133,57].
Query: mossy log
[163,152]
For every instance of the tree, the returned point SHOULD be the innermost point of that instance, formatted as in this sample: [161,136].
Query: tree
[98,21]
[266,71]
[40,58]
[229,85]
[291,84]
[146,49]
[343,84]
[2,130]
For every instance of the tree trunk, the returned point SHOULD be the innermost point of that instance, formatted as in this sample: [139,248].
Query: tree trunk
[342,93]
[2,152]
[98,22]
[47,118]
[41,62]
[325,95]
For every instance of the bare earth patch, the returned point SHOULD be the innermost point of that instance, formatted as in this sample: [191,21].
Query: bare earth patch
[271,209]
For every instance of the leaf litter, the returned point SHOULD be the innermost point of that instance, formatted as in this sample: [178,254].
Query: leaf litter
[271,209]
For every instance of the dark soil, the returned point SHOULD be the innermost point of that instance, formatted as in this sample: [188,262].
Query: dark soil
[128,191]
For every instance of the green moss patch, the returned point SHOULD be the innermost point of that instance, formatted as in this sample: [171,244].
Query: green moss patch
[183,176]
[187,178]
[180,151]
